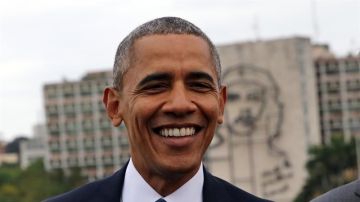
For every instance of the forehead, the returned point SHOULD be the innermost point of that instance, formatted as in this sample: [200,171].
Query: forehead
[184,45]
[170,52]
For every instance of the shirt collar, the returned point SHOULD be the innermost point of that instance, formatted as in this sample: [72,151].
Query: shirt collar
[133,182]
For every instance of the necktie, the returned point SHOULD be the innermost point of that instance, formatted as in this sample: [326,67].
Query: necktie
[160,200]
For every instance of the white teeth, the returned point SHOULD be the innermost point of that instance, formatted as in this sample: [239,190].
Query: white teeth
[177,132]
[182,132]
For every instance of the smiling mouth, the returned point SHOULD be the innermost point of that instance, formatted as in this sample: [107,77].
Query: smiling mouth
[177,132]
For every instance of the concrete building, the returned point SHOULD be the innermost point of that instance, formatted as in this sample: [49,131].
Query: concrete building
[338,84]
[8,158]
[79,132]
[35,148]
[270,117]
[2,147]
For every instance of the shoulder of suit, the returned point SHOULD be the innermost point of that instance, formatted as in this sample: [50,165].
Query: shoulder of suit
[347,192]
[237,194]
[93,191]
[82,193]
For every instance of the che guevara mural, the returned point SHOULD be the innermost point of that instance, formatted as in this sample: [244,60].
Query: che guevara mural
[247,141]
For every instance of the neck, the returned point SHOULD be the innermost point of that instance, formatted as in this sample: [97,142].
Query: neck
[165,183]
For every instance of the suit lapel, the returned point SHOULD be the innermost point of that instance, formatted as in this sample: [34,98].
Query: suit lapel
[112,187]
[212,189]
[209,188]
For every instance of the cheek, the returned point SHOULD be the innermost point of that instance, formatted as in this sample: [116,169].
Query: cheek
[137,116]
[210,106]
[256,108]
[142,109]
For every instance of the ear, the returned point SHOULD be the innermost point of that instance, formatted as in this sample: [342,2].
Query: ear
[112,103]
[222,101]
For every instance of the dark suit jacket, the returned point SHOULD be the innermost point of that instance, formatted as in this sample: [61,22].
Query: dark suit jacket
[349,193]
[110,188]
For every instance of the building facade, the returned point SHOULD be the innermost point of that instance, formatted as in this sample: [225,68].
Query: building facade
[34,148]
[7,158]
[270,117]
[79,132]
[338,84]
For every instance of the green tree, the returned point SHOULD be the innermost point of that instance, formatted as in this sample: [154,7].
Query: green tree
[329,166]
[9,192]
[35,184]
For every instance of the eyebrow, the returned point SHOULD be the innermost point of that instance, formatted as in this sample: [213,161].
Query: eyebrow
[200,75]
[160,76]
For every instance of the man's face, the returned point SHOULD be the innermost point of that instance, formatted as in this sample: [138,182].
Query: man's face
[245,106]
[170,103]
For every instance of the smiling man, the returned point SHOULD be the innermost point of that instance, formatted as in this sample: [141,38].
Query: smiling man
[168,93]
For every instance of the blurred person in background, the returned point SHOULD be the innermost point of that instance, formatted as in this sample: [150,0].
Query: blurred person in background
[346,193]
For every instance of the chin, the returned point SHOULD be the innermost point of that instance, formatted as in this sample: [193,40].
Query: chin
[180,166]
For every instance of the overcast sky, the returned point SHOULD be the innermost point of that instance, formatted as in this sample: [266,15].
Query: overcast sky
[45,41]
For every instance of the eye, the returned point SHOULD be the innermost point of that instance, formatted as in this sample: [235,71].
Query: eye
[153,88]
[233,97]
[254,96]
[200,86]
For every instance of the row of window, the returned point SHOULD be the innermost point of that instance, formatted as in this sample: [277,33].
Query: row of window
[341,128]
[72,108]
[90,161]
[88,144]
[86,132]
[69,90]
[339,123]
[337,109]
[351,103]
[87,126]
[333,67]
[351,85]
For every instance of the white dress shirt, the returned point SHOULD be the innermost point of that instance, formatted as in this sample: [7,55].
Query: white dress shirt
[136,189]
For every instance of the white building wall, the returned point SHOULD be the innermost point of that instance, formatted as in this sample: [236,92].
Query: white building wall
[270,118]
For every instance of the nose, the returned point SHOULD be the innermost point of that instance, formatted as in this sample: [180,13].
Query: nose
[179,102]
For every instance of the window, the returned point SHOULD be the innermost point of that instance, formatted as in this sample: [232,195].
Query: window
[50,92]
[68,90]
[352,66]
[332,68]
[85,89]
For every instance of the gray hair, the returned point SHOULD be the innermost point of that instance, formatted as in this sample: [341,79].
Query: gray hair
[163,26]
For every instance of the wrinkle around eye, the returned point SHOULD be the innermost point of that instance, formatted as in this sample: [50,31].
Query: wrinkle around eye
[152,89]
[201,86]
